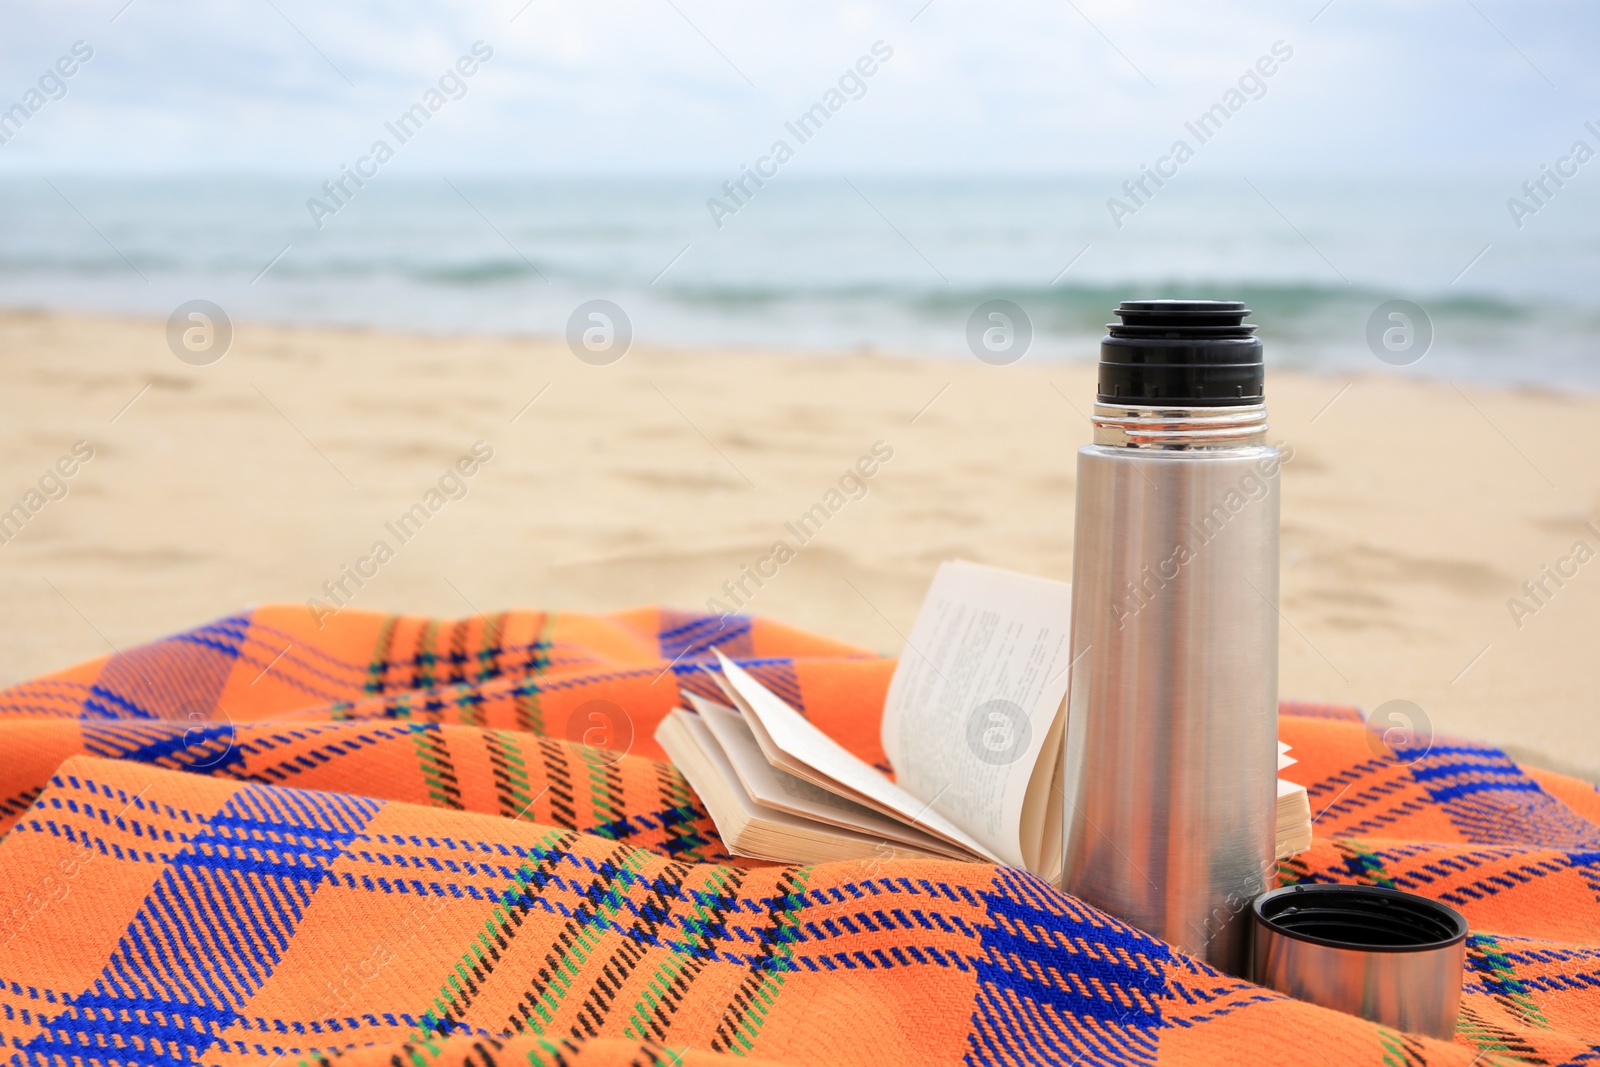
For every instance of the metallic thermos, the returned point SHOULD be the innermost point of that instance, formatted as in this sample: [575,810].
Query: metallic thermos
[1171,755]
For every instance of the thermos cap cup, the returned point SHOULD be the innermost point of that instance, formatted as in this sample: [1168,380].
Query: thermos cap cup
[1394,958]
[1181,353]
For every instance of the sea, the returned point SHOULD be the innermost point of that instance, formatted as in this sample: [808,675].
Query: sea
[890,264]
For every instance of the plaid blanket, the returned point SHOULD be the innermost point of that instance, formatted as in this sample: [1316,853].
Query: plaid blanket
[412,841]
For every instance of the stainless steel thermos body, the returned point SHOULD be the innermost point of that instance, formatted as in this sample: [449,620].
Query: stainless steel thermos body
[1171,757]
[1173,716]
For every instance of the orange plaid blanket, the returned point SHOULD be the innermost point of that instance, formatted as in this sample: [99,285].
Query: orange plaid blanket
[394,840]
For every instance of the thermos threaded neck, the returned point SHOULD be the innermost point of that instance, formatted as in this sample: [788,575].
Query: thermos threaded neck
[1172,428]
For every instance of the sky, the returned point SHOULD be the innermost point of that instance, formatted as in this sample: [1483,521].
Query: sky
[1486,88]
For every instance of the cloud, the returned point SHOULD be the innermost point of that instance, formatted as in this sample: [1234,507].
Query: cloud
[646,86]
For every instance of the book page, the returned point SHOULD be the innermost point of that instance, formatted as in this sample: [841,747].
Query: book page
[749,828]
[776,788]
[800,748]
[975,699]
[714,759]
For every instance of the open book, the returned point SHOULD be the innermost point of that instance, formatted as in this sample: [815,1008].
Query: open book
[1294,811]
[972,726]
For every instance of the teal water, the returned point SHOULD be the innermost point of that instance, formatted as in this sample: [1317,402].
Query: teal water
[893,265]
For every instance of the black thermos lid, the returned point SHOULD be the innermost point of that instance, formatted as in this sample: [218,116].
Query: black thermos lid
[1184,353]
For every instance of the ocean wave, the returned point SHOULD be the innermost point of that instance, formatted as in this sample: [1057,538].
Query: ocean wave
[1090,306]
[811,267]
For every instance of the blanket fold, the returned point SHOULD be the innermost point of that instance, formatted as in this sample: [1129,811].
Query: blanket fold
[429,841]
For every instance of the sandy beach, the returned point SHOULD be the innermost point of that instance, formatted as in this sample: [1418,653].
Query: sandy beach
[1413,511]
